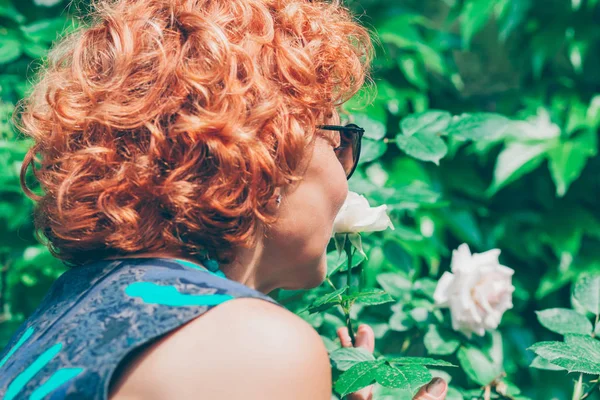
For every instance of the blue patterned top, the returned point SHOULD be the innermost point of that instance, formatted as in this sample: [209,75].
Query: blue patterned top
[95,315]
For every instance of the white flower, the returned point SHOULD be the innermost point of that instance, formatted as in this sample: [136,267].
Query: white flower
[478,291]
[357,216]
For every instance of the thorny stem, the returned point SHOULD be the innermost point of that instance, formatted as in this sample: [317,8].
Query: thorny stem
[591,389]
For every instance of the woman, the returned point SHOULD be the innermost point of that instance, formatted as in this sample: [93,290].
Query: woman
[182,169]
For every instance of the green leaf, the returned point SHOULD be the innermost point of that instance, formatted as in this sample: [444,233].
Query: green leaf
[430,362]
[423,146]
[478,126]
[410,377]
[374,124]
[478,366]
[573,356]
[587,293]
[357,377]
[567,159]
[397,256]
[474,15]
[413,70]
[327,301]
[369,297]
[346,357]
[428,122]
[35,50]
[541,363]
[10,47]
[338,263]
[453,394]
[401,321]
[516,160]
[394,283]
[8,10]
[46,3]
[46,30]
[440,341]
[588,344]
[563,321]
[371,150]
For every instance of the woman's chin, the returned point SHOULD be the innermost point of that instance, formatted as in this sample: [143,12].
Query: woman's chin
[311,276]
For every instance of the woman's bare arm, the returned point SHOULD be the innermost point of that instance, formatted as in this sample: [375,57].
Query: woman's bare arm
[242,349]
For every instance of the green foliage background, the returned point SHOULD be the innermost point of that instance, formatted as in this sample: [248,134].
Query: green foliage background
[530,189]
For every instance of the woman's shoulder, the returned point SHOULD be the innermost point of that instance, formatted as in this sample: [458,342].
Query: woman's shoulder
[97,316]
[244,349]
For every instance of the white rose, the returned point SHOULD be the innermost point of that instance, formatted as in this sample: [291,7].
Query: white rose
[478,291]
[357,216]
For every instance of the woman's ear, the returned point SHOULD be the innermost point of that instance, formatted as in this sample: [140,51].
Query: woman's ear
[275,201]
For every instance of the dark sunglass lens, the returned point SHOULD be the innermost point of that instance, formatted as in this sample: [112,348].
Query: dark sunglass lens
[345,151]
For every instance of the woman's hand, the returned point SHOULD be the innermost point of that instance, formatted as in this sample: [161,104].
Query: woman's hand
[365,338]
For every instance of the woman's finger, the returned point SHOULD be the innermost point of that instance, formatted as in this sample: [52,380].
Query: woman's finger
[344,337]
[434,390]
[365,338]
[362,394]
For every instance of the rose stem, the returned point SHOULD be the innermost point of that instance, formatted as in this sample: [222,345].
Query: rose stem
[578,389]
[348,248]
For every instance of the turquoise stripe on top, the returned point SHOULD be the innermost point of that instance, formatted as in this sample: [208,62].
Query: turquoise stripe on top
[200,267]
[24,377]
[22,340]
[56,380]
[151,293]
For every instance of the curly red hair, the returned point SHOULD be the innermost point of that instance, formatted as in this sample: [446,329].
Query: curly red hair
[166,125]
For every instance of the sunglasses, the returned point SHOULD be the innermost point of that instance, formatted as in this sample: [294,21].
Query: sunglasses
[349,150]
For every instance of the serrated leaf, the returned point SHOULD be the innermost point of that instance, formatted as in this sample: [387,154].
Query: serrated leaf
[541,363]
[478,366]
[409,377]
[423,146]
[586,343]
[587,293]
[346,357]
[440,341]
[569,356]
[564,320]
[370,297]
[428,122]
[329,300]
[429,362]
[357,377]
